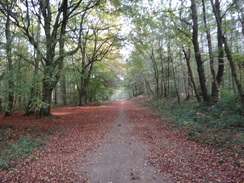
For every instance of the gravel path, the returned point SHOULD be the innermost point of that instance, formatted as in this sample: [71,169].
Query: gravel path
[120,159]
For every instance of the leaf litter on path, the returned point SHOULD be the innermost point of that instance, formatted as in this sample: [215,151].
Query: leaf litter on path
[83,130]
[179,158]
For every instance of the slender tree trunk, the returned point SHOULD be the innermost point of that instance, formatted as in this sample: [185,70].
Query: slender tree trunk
[200,67]
[215,84]
[56,96]
[168,79]
[162,83]
[64,90]
[145,89]
[217,14]
[155,68]
[188,62]
[10,67]
[148,85]
[233,71]
[175,82]
[30,109]
[188,87]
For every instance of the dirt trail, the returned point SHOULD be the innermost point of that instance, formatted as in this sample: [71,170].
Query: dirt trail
[120,159]
[118,143]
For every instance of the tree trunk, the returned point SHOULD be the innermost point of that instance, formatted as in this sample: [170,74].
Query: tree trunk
[215,82]
[30,109]
[200,67]
[56,96]
[217,14]
[83,96]
[48,86]
[64,90]
[175,83]
[10,67]
[148,85]
[85,80]
[162,83]
[188,62]
[156,75]
[233,71]
[47,99]
[188,87]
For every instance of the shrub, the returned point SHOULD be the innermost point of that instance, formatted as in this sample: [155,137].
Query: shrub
[219,124]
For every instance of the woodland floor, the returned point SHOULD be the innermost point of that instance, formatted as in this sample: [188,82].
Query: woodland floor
[119,143]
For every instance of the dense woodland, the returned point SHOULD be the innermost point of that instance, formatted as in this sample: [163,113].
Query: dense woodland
[64,52]
[188,48]
[68,52]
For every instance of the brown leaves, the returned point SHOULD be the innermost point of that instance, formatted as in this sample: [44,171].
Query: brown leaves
[181,159]
[79,130]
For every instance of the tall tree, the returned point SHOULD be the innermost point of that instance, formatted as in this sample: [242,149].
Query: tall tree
[97,42]
[218,18]
[233,71]
[187,54]
[31,106]
[200,67]
[8,46]
[215,81]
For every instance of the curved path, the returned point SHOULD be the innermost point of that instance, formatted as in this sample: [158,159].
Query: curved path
[120,159]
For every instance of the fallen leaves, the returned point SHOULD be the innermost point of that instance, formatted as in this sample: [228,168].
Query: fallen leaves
[177,157]
[79,132]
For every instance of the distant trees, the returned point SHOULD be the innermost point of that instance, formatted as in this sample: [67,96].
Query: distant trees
[189,30]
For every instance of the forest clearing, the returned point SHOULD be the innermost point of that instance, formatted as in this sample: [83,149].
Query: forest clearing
[84,145]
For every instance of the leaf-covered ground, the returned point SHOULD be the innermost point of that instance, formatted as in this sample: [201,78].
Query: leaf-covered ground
[179,158]
[81,130]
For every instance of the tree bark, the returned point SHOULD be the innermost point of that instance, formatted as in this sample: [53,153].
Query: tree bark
[52,68]
[188,62]
[63,90]
[233,71]
[10,66]
[155,68]
[215,81]
[217,14]
[30,109]
[175,83]
[200,67]
[148,85]
[47,99]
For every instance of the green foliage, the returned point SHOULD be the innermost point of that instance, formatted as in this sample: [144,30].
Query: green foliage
[15,146]
[220,125]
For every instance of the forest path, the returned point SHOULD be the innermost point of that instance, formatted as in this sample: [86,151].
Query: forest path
[121,158]
[117,143]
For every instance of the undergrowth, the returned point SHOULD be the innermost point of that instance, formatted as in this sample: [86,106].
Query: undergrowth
[220,125]
[17,144]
